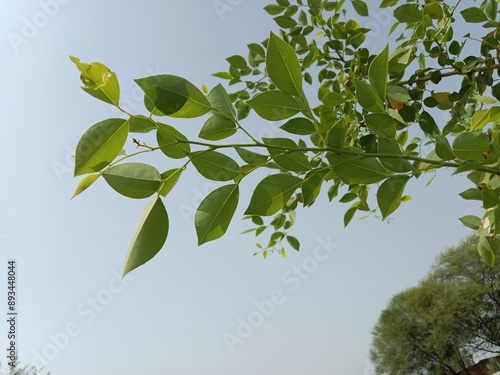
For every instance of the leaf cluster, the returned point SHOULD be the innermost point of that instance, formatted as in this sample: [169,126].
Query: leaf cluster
[371,126]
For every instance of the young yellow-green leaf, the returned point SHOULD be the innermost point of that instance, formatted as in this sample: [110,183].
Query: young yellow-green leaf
[250,157]
[215,213]
[141,124]
[100,145]
[174,96]
[275,105]
[217,128]
[283,66]
[293,161]
[168,140]
[221,103]
[99,81]
[368,97]
[484,116]
[215,166]
[471,146]
[134,180]
[389,194]
[85,183]
[378,72]
[271,194]
[333,99]
[149,236]
[299,126]
[169,180]
[352,169]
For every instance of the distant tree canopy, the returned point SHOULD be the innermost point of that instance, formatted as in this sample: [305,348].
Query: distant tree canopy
[356,123]
[446,323]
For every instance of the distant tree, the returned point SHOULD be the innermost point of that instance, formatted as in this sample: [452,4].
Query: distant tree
[357,123]
[446,323]
[22,370]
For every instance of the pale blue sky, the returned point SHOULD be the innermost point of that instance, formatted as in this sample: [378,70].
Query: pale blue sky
[172,315]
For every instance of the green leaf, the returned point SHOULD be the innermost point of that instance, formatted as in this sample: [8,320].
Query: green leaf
[491,9]
[443,148]
[378,71]
[215,213]
[149,236]
[484,116]
[250,157]
[141,124]
[169,180]
[368,97]
[471,221]
[299,126]
[360,7]
[486,247]
[294,243]
[434,10]
[471,194]
[408,13]
[333,99]
[353,169]
[99,81]
[311,186]
[237,61]
[100,145]
[337,134]
[134,180]
[274,9]
[427,123]
[471,146]
[217,128]
[272,193]
[168,140]
[392,147]
[221,103]
[283,66]
[388,3]
[293,161]
[275,105]
[174,96]
[85,183]
[381,124]
[389,194]
[398,94]
[349,214]
[473,15]
[215,166]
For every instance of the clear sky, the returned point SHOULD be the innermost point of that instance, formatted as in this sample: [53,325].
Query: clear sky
[179,314]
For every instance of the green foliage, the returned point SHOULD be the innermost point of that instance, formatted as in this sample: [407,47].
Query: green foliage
[352,139]
[446,323]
